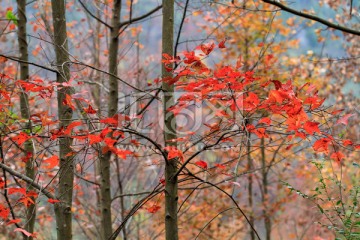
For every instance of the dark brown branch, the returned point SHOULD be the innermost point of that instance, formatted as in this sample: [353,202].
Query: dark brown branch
[312,17]
[92,15]
[27,180]
[30,63]
[133,20]
[132,194]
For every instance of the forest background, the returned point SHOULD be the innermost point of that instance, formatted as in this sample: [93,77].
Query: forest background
[259,138]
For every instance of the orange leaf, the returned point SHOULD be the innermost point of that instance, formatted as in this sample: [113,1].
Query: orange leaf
[68,102]
[52,201]
[21,138]
[51,162]
[71,126]
[265,121]
[13,221]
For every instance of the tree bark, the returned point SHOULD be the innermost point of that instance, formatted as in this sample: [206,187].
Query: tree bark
[265,183]
[66,172]
[25,110]
[171,184]
[105,189]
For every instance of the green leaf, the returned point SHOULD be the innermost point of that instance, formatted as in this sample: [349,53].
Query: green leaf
[10,16]
[355,164]
[321,210]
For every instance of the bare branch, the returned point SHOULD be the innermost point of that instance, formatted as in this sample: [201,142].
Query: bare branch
[312,17]
[27,180]
[92,15]
[133,20]
[30,63]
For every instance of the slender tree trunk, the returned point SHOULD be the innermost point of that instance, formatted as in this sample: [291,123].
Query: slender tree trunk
[105,189]
[24,108]
[249,159]
[250,189]
[265,196]
[121,199]
[66,173]
[171,185]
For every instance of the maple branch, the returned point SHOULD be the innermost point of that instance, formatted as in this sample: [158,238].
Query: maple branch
[91,14]
[30,63]
[180,28]
[207,224]
[27,180]
[86,180]
[233,200]
[156,145]
[132,20]
[197,153]
[140,17]
[105,72]
[312,17]
[133,210]
[134,194]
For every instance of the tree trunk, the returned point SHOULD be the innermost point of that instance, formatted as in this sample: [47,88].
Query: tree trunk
[66,172]
[105,189]
[265,183]
[24,109]
[171,185]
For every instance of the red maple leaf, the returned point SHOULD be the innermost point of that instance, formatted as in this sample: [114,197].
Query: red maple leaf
[110,121]
[222,44]
[2,183]
[337,156]
[94,139]
[220,166]
[347,142]
[90,110]
[4,212]
[201,164]
[207,48]
[311,127]
[173,152]
[322,145]
[122,153]
[153,209]
[17,190]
